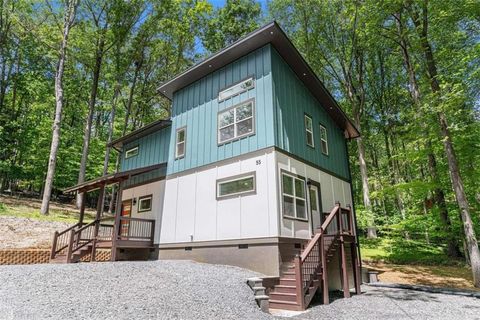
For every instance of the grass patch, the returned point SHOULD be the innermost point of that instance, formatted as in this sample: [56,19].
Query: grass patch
[401,251]
[59,215]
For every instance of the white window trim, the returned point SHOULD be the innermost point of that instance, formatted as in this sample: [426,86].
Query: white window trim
[323,128]
[131,150]
[143,198]
[236,178]
[294,196]
[242,90]
[235,137]
[308,131]
[179,156]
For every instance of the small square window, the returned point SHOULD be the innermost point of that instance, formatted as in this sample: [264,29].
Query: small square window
[309,131]
[145,203]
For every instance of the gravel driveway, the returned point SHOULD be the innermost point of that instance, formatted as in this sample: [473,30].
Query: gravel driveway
[188,290]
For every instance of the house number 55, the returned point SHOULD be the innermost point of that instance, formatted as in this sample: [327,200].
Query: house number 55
[259,162]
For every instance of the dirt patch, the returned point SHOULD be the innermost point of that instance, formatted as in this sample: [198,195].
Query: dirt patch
[16,232]
[436,276]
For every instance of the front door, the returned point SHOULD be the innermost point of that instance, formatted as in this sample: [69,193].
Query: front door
[126,212]
[314,207]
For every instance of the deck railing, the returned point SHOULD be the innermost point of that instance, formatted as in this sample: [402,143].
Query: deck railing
[136,229]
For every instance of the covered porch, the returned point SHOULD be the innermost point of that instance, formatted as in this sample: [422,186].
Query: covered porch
[118,233]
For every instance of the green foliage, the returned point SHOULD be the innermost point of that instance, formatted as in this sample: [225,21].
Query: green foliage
[229,23]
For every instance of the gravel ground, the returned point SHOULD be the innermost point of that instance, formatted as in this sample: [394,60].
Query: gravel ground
[189,290]
[127,290]
[17,232]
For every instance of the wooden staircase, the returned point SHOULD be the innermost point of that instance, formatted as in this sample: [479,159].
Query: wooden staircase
[307,271]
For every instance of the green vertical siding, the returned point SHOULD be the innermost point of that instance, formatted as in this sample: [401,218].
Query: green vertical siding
[152,149]
[291,101]
[196,107]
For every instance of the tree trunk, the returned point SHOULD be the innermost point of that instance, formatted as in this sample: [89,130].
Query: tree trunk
[421,26]
[439,196]
[91,110]
[68,22]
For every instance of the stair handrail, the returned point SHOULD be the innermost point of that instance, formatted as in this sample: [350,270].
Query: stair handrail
[303,285]
[63,243]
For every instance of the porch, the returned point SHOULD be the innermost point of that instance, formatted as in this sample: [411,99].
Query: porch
[118,233]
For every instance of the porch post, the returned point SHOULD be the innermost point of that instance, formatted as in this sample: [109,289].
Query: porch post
[116,225]
[82,208]
[97,220]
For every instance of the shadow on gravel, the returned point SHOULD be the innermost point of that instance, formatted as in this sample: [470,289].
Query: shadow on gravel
[404,295]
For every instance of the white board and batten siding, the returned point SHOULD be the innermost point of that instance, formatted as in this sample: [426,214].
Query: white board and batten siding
[157,190]
[192,212]
[332,189]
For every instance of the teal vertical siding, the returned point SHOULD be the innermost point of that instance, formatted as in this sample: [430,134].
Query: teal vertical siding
[291,101]
[196,107]
[152,149]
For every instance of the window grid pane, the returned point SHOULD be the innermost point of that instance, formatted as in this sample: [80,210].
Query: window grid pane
[236,122]
[294,197]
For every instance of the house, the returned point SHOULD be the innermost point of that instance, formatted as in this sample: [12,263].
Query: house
[250,170]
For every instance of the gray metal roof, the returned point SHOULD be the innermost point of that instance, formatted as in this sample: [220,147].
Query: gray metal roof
[273,34]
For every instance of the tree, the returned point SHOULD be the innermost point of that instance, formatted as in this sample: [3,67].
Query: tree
[69,19]
[230,22]
[421,20]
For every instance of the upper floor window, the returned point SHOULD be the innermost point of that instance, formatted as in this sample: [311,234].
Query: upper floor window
[294,197]
[236,185]
[236,122]
[132,152]
[180,143]
[324,139]
[309,131]
[236,89]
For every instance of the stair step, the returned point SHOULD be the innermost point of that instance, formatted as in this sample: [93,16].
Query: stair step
[283,296]
[281,288]
[287,281]
[288,275]
[284,305]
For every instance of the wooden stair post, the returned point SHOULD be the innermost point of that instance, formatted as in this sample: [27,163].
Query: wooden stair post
[343,257]
[325,293]
[299,282]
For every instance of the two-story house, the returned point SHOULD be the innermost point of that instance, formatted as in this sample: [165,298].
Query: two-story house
[251,170]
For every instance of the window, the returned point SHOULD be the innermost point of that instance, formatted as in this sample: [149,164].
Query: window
[236,185]
[324,139]
[145,203]
[236,89]
[132,152]
[236,122]
[180,143]
[309,131]
[294,199]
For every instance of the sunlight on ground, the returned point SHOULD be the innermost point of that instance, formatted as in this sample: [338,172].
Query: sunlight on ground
[437,276]
[29,208]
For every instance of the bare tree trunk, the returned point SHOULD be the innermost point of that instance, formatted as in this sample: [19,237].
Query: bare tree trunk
[69,18]
[91,110]
[421,24]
